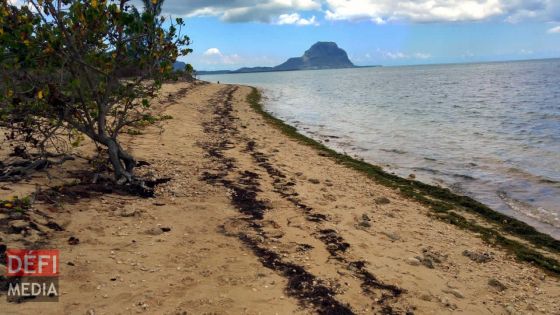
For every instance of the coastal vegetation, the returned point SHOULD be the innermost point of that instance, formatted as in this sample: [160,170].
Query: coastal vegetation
[73,69]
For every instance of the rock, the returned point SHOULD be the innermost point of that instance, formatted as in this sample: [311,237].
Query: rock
[18,225]
[154,231]
[157,230]
[382,200]
[73,240]
[392,236]
[455,292]
[426,261]
[477,257]
[411,176]
[314,181]
[4,216]
[510,310]
[128,212]
[90,312]
[364,224]
[497,284]
[413,261]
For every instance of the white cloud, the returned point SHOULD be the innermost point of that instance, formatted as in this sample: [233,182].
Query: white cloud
[266,11]
[378,11]
[399,55]
[212,52]
[213,56]
[296,19]
[381,11]
[554,30]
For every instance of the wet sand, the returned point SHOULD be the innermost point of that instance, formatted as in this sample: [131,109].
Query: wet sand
[258,223]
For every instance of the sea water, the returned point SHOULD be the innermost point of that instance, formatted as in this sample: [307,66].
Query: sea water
[490,131]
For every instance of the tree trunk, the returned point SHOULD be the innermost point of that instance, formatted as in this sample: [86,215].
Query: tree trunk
[123,163]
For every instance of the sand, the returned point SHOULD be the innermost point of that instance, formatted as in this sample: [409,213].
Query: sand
[258,223]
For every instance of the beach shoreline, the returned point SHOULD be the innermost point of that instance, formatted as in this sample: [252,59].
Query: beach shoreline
[441,200]
[264,219]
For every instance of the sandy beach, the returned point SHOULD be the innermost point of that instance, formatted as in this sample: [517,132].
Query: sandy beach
[253,221]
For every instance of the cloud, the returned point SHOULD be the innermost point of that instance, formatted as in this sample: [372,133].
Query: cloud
[554,30]
[296,19]
[381,11]
[213,56]
[266,11]
[378,11]
[398,55]
[212,52]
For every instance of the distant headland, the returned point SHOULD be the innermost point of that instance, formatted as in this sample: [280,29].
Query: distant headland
[322,55]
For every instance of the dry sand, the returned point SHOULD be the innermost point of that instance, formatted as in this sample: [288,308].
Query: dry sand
[261,224]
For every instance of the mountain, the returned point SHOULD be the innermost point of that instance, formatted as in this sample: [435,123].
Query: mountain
[322,55]
[179,65]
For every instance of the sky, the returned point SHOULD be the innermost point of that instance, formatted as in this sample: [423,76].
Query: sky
[230,34]
[238,33]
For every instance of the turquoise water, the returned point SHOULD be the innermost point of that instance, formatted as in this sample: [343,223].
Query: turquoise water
[490,131]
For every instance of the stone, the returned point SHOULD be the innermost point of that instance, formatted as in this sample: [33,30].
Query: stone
[426,261]
[454,292]
[392,236]
[497,284]
[382,200]
[413,261]
[128,213]
[157,230]
[477,257]
[314,181]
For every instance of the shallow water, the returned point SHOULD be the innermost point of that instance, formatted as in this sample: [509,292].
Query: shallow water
[490,131]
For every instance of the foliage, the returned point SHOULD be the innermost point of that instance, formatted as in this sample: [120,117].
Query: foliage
[70,68]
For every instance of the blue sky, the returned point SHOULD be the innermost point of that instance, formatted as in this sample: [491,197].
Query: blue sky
[237,33]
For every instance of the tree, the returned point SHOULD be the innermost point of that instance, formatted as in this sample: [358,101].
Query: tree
[71,68]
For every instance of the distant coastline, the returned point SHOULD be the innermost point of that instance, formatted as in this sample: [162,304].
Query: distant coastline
[320,56]
[217,72]
[240,71]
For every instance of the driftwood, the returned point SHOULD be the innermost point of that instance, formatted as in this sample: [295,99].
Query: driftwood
[20,168]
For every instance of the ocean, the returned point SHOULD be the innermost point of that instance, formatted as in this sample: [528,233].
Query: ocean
[490,130]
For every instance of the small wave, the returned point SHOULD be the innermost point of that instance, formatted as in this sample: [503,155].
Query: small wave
[534,177]
[394,151]
[539,213]
[463,176]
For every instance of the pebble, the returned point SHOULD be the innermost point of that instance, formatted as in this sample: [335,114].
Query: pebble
[413,261]
[382,201]
[497,284]
[314,181]
[477,257]
[455,292]
[392,236]
[128,213]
